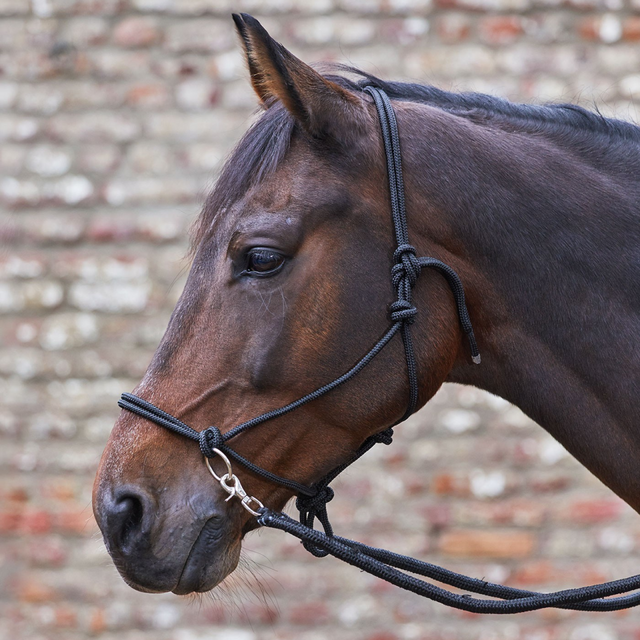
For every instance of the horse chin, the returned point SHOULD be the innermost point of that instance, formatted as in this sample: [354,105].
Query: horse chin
[207,564]
[203,570]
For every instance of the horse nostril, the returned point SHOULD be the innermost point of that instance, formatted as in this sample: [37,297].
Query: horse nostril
[127,519]
[130,509]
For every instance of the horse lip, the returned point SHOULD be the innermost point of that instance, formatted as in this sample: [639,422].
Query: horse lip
[192,577]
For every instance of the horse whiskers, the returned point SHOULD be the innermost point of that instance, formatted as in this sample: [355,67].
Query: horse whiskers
[264,304]
[258,573]
[224,595]
[284,300]
[244,586]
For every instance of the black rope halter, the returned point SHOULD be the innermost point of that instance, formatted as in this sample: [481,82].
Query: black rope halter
[312,500]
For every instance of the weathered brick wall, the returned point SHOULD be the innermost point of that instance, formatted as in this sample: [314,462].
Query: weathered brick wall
[114,116]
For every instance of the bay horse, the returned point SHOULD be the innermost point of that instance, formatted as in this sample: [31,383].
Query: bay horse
[537,208]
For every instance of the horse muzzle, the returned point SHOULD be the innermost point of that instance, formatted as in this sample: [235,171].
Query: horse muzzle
[162,543]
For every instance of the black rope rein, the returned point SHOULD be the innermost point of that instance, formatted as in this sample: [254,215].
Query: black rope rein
[312,500]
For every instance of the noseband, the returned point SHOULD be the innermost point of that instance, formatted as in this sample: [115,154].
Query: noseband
[312,500]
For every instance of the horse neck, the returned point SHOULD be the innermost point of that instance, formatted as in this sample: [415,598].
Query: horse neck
[548,245]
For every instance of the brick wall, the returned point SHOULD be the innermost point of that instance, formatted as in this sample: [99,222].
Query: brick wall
[114,116]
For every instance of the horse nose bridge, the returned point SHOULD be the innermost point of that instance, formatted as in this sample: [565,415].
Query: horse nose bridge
[140,453]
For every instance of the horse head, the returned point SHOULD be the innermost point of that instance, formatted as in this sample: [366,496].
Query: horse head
[289,286]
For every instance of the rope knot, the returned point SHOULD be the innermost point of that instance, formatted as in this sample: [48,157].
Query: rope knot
[407,265]
[316,502]
[403,311]
[210,439]
[384,437]
[312,507]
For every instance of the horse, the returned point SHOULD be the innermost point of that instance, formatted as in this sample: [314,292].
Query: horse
[537,208]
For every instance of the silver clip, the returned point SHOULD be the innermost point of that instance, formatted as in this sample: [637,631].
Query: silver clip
[232,485]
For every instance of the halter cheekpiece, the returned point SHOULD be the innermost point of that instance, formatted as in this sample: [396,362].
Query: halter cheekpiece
[312,500]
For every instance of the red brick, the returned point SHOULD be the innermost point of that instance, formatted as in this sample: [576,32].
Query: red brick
[136,32]
[550,483]
[65,617]
[46,552]
[589,28]
[521,513]
[437,515]
[15,493]
[447,484]
[403,32]
[447,4]
[76,522]
[10,520]
[594,511]
[631,28]
[453,28]
[36,521]
[552,616]
[148,95]
[588,574]
[97,621]
[58,489]
[31,589]
[606,28]
[534,573]
[88,7]
[416,485]
[309,613]
[500,30]
[109,229]
[487,544]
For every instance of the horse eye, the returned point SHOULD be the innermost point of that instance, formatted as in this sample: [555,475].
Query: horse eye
[264,261]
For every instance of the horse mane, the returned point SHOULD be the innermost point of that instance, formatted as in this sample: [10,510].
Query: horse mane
[256,156]
[263,147]
[483,107]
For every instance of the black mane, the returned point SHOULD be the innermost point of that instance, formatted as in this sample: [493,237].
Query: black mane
[491,108]
[257,155]
[265,144]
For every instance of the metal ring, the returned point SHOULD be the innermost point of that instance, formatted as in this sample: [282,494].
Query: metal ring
[225,460]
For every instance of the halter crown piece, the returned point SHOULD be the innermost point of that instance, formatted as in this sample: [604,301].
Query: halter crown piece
[312,500]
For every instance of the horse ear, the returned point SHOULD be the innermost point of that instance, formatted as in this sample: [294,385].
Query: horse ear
[323,108]
[257,79]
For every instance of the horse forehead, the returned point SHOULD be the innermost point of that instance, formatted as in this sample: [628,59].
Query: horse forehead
[273,195]
[307,181]
[300,194]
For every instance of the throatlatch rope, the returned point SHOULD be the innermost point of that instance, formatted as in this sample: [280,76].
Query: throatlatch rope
[312,500]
